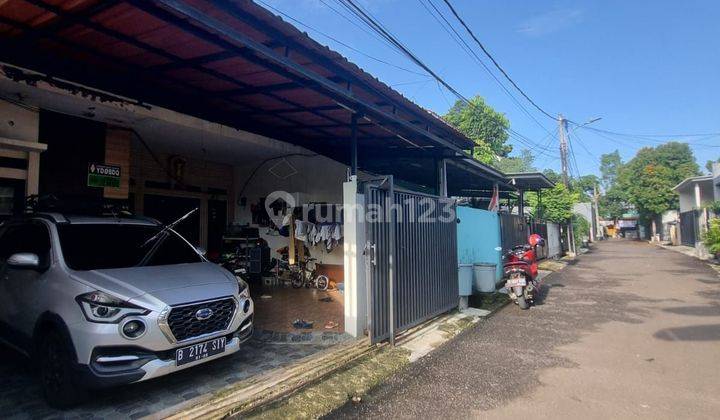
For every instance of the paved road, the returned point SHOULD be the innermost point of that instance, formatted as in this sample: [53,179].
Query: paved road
[630,330]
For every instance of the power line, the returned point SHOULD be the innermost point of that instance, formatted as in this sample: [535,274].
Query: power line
[487,53]
[460,41]
[644,142]
[379,28]
[352,22]
[338,41]
[367,18]
[649,135]
[594,158]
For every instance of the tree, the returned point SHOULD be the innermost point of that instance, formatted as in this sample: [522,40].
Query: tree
[610,164]
[553,176]
[557,203]
[483,125]
[709,164]
[585,185]
[649,177]
[613,204]
[516,164]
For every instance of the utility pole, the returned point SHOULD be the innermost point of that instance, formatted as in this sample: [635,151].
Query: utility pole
[562,125]
[596,198]
[562,128]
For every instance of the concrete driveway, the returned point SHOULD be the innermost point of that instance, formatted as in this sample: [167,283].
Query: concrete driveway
[21,397]
[630,330]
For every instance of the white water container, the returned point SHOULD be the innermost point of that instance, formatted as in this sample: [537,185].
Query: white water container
[484,277]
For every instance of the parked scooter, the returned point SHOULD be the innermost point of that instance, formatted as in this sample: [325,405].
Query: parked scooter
[521,271]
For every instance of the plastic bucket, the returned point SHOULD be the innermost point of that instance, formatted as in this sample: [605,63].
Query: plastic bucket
[484,277]
[465,279]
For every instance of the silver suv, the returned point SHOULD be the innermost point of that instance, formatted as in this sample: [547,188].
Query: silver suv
[99,302]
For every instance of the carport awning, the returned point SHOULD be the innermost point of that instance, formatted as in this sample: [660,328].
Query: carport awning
[230,62]
[530,181]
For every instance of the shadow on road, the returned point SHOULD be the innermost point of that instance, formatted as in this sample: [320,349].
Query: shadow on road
[709,332]
[713,310]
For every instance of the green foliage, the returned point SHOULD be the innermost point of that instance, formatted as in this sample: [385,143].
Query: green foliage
[556,203]
[585,185]
[610,164]
[709,164]
[711,237]
[581,229]
[649,177]
[483,125]
[516,164]
[553,176]
[613,204]
[714,206]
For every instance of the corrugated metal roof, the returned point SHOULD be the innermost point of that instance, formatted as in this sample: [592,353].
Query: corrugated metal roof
[231,62]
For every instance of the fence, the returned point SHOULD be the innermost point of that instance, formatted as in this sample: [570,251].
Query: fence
[541,228]
[513,230]
[554,247]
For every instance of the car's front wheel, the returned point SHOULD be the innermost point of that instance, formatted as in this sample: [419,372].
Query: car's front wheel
[58,384]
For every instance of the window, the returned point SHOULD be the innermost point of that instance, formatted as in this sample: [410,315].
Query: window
[28,237]
[105,246]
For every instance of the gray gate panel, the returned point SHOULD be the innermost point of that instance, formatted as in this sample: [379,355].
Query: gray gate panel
[688,227]
[425,254]
[378,232]
[513,230]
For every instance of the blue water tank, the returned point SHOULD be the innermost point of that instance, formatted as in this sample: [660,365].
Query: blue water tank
[465,279]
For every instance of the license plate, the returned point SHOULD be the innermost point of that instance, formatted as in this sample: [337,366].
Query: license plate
[199,351]
[515,282]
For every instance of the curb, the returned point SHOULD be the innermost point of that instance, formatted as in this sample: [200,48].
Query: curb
[270,386]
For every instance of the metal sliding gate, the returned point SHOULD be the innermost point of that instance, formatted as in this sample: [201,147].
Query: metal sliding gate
[541,229]
[513,230]
[414,249]
[688,227]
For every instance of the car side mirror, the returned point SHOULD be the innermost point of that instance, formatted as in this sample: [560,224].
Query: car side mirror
[24,260]
[201,250]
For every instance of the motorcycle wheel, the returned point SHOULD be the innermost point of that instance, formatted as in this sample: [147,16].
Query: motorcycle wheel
[322,282]
[297,282]
[522,303]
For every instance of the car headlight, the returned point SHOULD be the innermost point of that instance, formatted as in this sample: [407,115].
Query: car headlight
[243,288]
[102,307]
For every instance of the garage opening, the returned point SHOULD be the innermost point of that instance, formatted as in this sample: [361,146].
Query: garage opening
[268,211]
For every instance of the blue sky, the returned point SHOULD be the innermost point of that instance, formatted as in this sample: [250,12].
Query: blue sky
[645,67]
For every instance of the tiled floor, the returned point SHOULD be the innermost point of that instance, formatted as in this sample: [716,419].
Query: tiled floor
[20,395]
[286,304]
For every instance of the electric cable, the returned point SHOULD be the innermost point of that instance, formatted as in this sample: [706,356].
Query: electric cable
[487,53]
[460,41]
[276,10]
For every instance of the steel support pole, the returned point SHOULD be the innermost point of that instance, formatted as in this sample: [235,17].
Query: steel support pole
[442,178]
[391,258]
[353,145]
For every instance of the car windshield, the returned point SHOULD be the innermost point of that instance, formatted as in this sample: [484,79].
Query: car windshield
[102,246]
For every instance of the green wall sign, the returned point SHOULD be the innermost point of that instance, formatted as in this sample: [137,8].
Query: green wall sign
[103,175]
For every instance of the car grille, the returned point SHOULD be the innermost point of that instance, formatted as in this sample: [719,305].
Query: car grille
[184,324]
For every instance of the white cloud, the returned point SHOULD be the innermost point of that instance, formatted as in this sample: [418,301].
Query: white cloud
[550,22]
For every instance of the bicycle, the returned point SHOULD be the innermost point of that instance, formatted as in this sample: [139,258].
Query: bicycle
[302,274]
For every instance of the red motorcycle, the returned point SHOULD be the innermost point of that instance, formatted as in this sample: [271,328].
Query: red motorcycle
[521,270]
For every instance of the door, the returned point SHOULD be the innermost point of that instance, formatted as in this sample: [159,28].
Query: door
[167,209]
[217,223]
[378,252]
[12,198]
[21,290]
[412,252]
